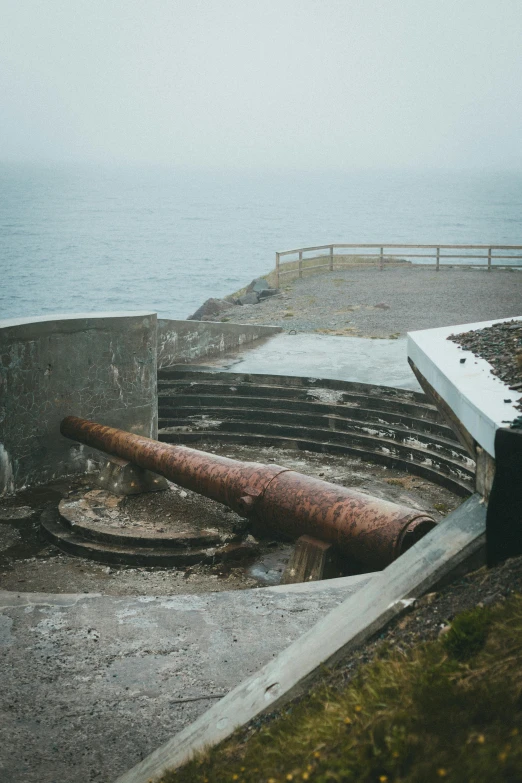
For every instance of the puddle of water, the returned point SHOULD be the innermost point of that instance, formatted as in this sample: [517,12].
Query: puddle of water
[269,569]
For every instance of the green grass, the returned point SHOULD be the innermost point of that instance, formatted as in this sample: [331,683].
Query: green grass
[447,710]
[468,634]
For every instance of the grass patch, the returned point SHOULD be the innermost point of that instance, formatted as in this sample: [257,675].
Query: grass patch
[447,710]
[467,634]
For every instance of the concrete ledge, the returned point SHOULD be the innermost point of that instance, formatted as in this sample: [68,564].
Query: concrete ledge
[183,341]
[473,393]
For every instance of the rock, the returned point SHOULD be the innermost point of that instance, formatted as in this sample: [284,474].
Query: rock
[257,285]
[268,292]
[247,299]
[210,309]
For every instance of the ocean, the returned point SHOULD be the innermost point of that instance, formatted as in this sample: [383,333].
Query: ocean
[97,238]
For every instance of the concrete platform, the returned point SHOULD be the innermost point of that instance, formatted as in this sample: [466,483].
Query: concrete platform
[480,400]
[91,684]
[323,356]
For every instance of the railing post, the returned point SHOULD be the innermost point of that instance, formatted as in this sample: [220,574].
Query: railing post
[300,263]
[277,270]
[331,258]
[489,259]
[438,260]
[381,258]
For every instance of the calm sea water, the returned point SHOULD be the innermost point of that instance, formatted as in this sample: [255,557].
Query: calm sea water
[76,239]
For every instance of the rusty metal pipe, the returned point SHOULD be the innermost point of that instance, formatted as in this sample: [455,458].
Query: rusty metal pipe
[280,500]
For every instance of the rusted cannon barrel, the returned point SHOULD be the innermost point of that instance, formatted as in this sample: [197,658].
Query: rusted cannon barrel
[282,501]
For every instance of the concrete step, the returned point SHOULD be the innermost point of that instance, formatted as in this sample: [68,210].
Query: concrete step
[181,373]
[294,391]
[394,427]
[294,399]
[79,524]
[54,530]
[366,442]
[169,406]
[453,476]
[313,412]
[230,419]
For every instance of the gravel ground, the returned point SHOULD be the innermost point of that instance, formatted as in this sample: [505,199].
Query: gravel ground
[501,346]
[373,303]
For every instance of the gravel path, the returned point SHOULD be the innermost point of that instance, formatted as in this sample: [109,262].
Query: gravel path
[373,303]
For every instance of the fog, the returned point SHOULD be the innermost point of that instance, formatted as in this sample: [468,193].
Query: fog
[307,84]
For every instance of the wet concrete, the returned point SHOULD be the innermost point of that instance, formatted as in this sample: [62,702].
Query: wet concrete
[378,361]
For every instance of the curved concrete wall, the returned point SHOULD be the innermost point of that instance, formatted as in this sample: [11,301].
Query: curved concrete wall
[183,341]
[98,365]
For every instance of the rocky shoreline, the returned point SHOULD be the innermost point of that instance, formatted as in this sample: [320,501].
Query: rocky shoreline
[257,291]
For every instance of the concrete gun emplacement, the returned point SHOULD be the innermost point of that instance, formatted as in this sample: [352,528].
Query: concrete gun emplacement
[278,500]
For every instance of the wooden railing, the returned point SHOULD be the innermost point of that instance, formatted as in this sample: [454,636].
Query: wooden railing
[381,254]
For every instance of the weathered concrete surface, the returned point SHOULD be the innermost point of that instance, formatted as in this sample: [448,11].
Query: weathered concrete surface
[357,359]
[95,365]
[184,341]
[91,684]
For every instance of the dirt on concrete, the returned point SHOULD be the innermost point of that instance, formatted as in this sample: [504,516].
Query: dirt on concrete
[30,564]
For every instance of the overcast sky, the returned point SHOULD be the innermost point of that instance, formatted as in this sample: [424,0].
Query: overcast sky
[263,83]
